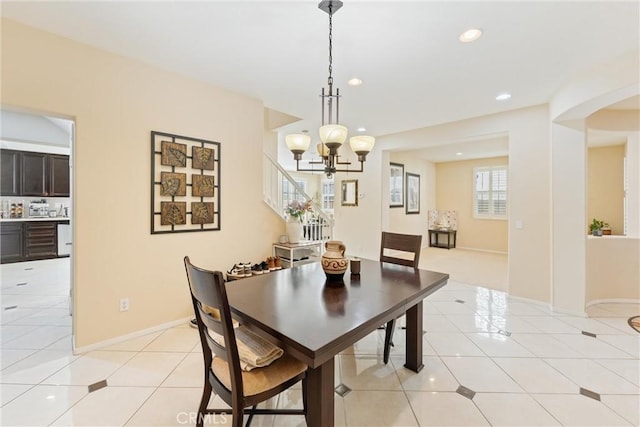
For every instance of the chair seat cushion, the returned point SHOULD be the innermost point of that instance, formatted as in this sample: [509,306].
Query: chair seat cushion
[254,351]
[214,312]
[260,379]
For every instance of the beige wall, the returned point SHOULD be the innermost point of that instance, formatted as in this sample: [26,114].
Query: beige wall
[116,103]
[605,196]
[613,270]
[569,202]
[399,221]
[528,130]
[455,191]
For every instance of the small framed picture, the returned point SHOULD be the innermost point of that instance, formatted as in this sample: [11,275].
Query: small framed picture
[396,181]
[413,193]
[350,192]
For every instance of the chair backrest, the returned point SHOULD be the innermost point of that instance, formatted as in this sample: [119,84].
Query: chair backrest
[408,243]
[213,314]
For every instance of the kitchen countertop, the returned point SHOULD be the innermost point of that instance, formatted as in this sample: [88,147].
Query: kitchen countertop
[58,218]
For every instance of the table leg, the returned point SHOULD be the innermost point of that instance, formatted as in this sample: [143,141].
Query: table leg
[413,358]
[320,405]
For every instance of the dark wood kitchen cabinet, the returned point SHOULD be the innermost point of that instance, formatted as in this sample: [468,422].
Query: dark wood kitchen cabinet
[11,242]
[34,174]
[58,176]
[26,173]
[10,173]
[28,240]
[40,240]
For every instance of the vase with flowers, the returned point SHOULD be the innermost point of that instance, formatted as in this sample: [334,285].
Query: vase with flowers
[295,212]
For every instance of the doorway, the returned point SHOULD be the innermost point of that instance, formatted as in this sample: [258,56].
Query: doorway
[36,290]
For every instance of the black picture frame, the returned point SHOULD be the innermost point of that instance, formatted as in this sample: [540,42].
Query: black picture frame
[396,185]
[412,188]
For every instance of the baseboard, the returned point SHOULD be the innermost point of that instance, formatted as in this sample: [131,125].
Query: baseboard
[531,301]
[482,250]
[549,306]
[613,301]
[470,249]
[571,313]
[122,338]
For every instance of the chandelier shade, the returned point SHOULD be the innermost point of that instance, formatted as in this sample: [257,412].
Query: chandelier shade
[323,150]
[362,145]
[298,144]
[332,134]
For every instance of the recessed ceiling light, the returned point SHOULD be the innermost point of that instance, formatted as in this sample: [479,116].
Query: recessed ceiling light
[361,129]
[503,96]
[354,82]
[471,35]
[458,154]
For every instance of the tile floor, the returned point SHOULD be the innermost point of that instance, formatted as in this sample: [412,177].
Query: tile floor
[489,360]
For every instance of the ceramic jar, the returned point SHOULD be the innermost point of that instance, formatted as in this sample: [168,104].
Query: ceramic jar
[294,230]
[334,262]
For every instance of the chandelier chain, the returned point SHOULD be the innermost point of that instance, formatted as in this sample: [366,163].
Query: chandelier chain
[330,80]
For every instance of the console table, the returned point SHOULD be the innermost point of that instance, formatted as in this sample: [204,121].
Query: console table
[292,254]
[434,240]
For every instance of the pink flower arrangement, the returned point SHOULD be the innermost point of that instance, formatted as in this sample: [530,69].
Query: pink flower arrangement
[297,209]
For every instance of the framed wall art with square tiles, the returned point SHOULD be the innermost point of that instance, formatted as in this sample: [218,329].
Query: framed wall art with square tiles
[185,184]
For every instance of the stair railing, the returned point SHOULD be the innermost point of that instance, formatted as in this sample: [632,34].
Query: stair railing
[317,225]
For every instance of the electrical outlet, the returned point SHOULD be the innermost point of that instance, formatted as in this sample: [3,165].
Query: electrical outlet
[124,304]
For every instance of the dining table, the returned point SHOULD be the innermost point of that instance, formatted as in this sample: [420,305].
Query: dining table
[314,319]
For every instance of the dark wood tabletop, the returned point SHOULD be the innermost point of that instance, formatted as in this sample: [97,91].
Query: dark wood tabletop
[314,320]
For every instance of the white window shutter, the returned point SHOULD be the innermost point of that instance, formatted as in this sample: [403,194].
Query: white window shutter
[490,192]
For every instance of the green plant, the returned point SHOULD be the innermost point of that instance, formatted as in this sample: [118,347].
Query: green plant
[596,224]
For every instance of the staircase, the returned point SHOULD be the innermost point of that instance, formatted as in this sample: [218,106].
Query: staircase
[317,225]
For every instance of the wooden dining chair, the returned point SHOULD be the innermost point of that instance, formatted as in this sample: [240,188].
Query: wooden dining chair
[242,390]
[402,244]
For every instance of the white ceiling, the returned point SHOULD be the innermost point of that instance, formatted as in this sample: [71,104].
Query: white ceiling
[416,73]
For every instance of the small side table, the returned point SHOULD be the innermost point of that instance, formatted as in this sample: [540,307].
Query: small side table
[434,240]
[292,254]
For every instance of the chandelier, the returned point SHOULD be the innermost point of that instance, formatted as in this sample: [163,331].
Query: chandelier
[332,133]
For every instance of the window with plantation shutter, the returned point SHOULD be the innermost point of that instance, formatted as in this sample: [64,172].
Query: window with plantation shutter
[327,194]
[490,192]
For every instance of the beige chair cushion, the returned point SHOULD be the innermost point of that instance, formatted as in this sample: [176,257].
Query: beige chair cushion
[260,379]
[214,312]
[254,351]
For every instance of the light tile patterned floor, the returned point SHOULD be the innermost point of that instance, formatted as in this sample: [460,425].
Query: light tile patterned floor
[523,364]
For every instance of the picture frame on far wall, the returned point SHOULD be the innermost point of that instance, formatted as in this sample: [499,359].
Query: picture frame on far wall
[413,193]
[350,192]
[396,185]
